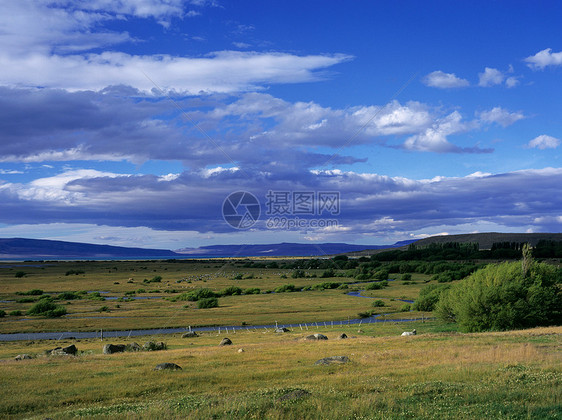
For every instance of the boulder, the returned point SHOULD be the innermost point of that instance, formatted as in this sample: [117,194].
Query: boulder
[167,366]
[190,334]
[23,357]
[408,333]
[153,346]
[225,342]
[316,336]
[133,347]
[332,360]
[342,336]
[282,330]
[241,350]
[63,351]
[114,348]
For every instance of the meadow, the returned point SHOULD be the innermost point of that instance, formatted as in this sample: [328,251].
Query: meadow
[437,374]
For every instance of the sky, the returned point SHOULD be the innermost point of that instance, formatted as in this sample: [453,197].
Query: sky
[140,123]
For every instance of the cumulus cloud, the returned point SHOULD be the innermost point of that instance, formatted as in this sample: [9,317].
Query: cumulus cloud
[544,58]
[500,116]
[490,77]
[444,80]
[544,142]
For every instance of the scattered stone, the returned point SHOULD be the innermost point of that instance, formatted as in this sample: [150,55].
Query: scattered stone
[342,336]
[114,348]
[167,366]
[133,347]
[332,360]
[282,330]
[63,351]
[360,331]
[153,346]
[294,395]
[316,336]
[23,357]
[190,334]
[407,333]
[241,350]
[225,342]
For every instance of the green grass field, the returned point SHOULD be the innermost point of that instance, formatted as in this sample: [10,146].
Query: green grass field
[438,374]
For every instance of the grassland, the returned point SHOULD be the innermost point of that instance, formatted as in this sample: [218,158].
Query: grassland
[438,374]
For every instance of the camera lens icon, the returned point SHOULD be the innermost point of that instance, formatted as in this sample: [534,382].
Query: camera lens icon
[241,210]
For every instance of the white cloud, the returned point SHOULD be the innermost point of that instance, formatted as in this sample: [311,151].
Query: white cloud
[544,59]
[490,77]
[544,142]
[500,116]
[443,80]
[511,82]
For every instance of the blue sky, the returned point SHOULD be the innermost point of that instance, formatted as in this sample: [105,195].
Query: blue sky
[129,122]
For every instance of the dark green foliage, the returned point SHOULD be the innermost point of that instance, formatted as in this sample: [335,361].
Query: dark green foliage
[405,308]
[501,297]
[20,274]
[104,309]
[238,276]
[95,296]
[27,299]
[196,295]
[252,291]
[68,296]
[297,274]
[75,272]
[46,307]
[326,285]
[378,303]
[429,296]
[286,288]
[366,314]
[33,292]
[206,303]
[155,279]
[15,313]
[2,313]
[328,273]
[377,285]
[232,290]
[406,276]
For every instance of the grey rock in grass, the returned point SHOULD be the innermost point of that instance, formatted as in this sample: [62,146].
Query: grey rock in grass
[409,333]
[282,330]
[342,336]
[153,346]
[114,348]
[225,342]
[63,351]
[294,395]
[167,366]
[316,336]
[332,360]
[190,334]
[23,357]
[133,347]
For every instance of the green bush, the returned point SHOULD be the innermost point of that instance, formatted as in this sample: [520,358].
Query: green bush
[46,307]
[286,288]
[232,290]
[20,274]
[27,299]
[2,313]
[68,296]
[104,309]
[405,308]
[429,296]
[15,313]
[75,272]
[32,292]
[297,274]
[505,296]
[155,279]
[406,276]
[378,303]
[195,295]
[206,303]
[252,291]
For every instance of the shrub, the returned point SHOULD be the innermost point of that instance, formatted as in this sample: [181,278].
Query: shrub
[46,307]
[297,274]
[75,272]
[232,290]
[141,291]
[206,303]
[155,279]
[505,296]
[95,296]
[365,314]
[68,296]
[326,285]
[15,313]
[27,300]
[405,308]
[32,292]
[406,276]
[343,286]
[378,303]
[286,288]
[20,274]
[104,309]
[252,291]
[429,296]
[2,313]
[195,295]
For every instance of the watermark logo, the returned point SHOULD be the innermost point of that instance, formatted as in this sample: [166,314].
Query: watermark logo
[241,210]
[284,209]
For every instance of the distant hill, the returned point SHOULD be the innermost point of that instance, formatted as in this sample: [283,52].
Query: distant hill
[18,248]
[282,249]
[484,240]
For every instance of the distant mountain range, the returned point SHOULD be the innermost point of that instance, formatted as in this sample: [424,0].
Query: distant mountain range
[20,248]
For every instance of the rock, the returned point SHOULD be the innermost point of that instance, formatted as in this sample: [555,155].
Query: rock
[63,351]
[225,342]
[342,336]
[316,337]
[332,360]
[282,330]
[241,350]
[167,366]
[294,395]
[23,357]
[133,347]
[114,348]
[190,334]
[408,333]
[152,346]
